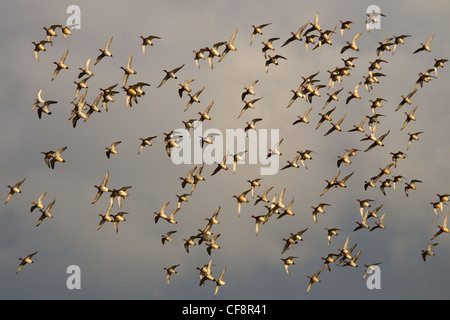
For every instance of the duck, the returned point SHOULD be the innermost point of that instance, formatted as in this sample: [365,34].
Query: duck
[40,46]
[335,126]
[38,204]
[442,229]
[332,97]
[305,155]
[426,46]
[221,166]
[378,142]
[112,149]
[330,258]
[352,261]
[438,63]
[268,46]
[147,41]
[299,93]
[105,218]
[205,273]
[318,209]
[443,197]
[385,184]
[396,179]
[345,25]
[399,40]
[341,183]
[86,70]
[145,142]
[198,177]
[122,194]
[379,224]
[161,213]
[352,45]
[324,117]
[189,179]
[182,198]
[295,36]
[93,107]
[80,85]
[26,260]
[313,279]
[117,218]
[104,52]
[412,137]
[45,213]
[362,224]
[330,183]
[276,149]
[293,239]
[213,52]
[205,115]
[108,94]
[287,210]
[251,124]
[258,30]
[170,271]
[127,69]
[273,60]
[331,232]
[411,185]
[212,244]
[409,117]
[258,220]
[189,242]
[60,65]
[199,55]
[365,203]
[247,105]
[354,94]
[66,31]
[249,89]
[314,25]
[427,252]
[287,262]
[369,268]
[303,118]
[56,157]
[166,237]
[423,77]
[219,282]
[50,31]
[184,87]
[229,46]
[384,171]
[346,158]
[194,98]
[14,189]
[241,199]
[293,163]
[263,197]
[131,95]
[101,188]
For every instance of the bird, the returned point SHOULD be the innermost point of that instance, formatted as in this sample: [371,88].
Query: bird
[169,271]
[363,223]
[50,31]
[325,116]
[26,260]
[93,107]
[40,46]
[199,55]
[354,94]
[170,75]
[330,184]
[219,282]
[406,99]
[229,46]
[346,158]
[378,142]
[112,149]
[60,65]
[66,30]
[428,252]
[241,199]
[369,268]
[293,239]
[313,279]
[38,204]
[145,142]
[117,218]
[205,115]
[194,98]
[332,97]
[379,224]
[303,118]
[273,60]
[213,52]
[147,41]
[295,36]
[212,244]
[102,187]
[249,90]
[335,126]
[287,262]
[189,179]
[258,219]
[276,149]
[438,63]
[399,40]
[14,189]
[247,105]
[268,46]
[365,203]
[351,45]
[166,237]
[105,218]
[345,25]
[425,46]
[442,229]
[318,209]
[251,124]
[104,52]
[45,213]
[258,30]
[409,117]
[184,87]
[411,185]
[263,197]
[331,232]
[127,70]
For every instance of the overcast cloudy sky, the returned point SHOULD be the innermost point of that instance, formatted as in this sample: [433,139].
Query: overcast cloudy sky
[129,264]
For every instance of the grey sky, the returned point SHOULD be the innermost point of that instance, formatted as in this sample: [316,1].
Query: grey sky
[129,264]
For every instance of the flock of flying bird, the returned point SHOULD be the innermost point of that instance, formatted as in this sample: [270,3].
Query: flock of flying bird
[310,33]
